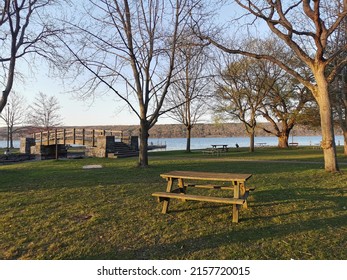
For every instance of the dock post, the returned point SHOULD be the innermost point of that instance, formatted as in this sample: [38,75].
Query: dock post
[56,143]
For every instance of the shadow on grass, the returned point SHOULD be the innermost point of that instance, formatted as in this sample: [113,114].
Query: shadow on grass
[290,199]
[254,228]
[235,236]
[60,176]
[304,195]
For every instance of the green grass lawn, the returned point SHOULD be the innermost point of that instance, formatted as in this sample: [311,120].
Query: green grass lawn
[56,210]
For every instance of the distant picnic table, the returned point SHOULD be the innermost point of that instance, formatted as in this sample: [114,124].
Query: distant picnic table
[222,147]
[293,144]
[261,144]
[236,183]
[216,149]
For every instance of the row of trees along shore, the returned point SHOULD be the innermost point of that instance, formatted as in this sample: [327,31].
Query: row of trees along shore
[244,59]
[23,119]
[164,131]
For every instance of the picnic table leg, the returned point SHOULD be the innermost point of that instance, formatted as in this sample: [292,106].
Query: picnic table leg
[166,202]
[235,206]
[182,188]
[235,214]
[243,194]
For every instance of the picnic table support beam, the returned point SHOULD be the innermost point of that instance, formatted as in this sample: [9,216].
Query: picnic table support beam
[181,187]
[243,194]
[166,202]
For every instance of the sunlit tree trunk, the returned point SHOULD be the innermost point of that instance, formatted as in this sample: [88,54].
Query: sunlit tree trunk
[327,127]
[283,140]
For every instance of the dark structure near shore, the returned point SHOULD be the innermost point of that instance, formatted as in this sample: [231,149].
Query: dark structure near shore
[98,143]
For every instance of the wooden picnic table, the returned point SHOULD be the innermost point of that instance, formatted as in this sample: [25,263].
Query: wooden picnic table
[293,144]
[236,183]
[261,144]
[223,147]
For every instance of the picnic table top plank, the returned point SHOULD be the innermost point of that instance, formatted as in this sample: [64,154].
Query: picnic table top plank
[195,175]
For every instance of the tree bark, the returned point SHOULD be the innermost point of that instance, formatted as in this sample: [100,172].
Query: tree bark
[189,131]
[11,137]
[251,141]
[143,152]
[327,127]
[283,140]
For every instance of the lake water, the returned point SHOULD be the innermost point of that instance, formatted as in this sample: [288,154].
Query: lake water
[3,144]
[202,143]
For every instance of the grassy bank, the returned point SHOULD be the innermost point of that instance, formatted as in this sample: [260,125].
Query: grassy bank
[57,210]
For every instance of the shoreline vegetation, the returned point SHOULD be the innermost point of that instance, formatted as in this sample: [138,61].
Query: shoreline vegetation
[199,130]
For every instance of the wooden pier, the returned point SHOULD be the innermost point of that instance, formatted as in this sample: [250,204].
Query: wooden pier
[97,142]
[75,136]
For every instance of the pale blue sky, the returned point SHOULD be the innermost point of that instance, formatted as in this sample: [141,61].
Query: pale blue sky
[103,110]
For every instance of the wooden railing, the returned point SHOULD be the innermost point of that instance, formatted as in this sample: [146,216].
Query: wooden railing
[76,136]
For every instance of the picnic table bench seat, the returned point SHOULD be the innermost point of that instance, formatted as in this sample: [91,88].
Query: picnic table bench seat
[293,144]
[211,151]
[165,195]
[215,187]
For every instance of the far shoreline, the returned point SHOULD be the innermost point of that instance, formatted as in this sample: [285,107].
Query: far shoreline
[205,130]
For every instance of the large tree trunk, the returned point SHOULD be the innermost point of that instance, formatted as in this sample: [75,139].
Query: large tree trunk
[10,79]
[143,153]
[283,140]
[325,111]
[251,141]
[189,131]
[11,137]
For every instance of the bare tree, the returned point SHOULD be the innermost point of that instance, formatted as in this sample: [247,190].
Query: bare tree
[129,48]
[190,90]
[283,104]
[44,112]
[306,27]
[339,86]
[24,30]
[14,116]
[241,92]
[339,101]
